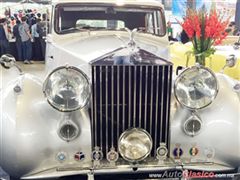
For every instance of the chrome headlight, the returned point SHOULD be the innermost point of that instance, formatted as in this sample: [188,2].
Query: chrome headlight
[135,144]
[196,87]
[67,89]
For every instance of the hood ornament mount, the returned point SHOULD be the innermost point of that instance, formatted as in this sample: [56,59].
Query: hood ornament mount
[132,45]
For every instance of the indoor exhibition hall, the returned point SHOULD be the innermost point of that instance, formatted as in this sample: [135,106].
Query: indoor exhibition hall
[119,89]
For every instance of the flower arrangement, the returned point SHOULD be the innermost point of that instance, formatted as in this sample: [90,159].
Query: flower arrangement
[204,30]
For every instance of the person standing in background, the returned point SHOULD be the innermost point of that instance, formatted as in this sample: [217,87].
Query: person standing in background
[184,37]
[36,31]
[169,30]
[26,37]
[44,24]
[18,41]
[4,44]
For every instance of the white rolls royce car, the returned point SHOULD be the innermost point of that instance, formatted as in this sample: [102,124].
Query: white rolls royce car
[110,103]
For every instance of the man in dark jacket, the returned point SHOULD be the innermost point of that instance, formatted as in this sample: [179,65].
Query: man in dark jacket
[18,40]
[4,44]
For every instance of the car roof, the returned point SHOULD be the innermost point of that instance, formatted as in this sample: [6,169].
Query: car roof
[153,3]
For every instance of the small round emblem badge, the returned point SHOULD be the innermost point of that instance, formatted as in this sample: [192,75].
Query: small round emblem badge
[97,155]
[209,152]
[193,151]
[112,155]
[177,152]
[61,156]
[79,156]
[162,151]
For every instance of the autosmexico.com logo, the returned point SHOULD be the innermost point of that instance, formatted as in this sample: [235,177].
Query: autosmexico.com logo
[188,174]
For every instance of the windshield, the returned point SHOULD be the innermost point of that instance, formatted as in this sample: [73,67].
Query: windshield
[71,18]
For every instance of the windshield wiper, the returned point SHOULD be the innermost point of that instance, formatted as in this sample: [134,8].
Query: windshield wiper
[72,29]
[83,29]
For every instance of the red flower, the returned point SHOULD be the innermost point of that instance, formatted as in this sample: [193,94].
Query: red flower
[204,29]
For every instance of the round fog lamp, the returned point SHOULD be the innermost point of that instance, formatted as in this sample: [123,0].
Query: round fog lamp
[193,125]
[135,144]
[67,89]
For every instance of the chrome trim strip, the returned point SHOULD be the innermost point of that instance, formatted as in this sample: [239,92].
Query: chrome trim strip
[118,85]
[129,98]
[112,105]
[134,96]
[162,91]
[155,22]
[156,115]
[101,124]
[140,98]
[145,111]
[106,108]
[168,98]
[151,100]
[123,119]
[95,104]
[92,113]
[169,114]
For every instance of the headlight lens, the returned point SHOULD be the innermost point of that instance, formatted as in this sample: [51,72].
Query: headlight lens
[135,144]
[67,89]
[196,87]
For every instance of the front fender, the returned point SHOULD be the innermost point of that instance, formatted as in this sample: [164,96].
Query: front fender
[29,138]
[220,128]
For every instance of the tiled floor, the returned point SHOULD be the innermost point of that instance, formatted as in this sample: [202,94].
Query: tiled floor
[36,69]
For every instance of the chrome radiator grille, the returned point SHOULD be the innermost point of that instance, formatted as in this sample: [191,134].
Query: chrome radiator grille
[127,96]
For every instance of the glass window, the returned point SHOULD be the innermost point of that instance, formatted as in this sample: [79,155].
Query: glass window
[73,18]
[108,24]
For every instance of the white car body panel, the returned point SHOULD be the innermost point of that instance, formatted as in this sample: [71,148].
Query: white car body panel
[29,140]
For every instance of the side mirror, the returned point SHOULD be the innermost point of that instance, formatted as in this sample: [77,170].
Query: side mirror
[236,45]
[231,61]
[179,69]
[8,61]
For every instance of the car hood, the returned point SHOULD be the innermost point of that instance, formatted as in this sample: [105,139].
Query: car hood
[90,47]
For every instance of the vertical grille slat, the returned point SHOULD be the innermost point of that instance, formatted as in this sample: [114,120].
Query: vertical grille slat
[101,117]
[134,96]
[123,104]
[118,99]
[130,96]
[106,106]
[112,106]
[140,98]
[95,103]
[151,100]
[162,92]
[156,111]
[167,88]
[146,97]
[168,107]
